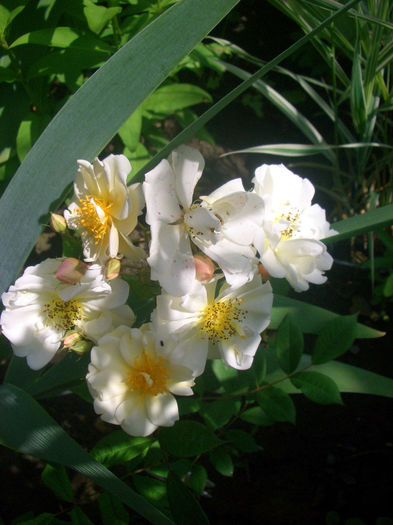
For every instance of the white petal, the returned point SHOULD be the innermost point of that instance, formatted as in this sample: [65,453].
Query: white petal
[162,202]
[162,410]
[133,418]
[171,258]
[187,164]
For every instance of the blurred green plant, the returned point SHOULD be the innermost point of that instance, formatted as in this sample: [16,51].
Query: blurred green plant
[356,98]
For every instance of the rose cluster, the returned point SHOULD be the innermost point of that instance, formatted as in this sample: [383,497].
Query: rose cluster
[212,256]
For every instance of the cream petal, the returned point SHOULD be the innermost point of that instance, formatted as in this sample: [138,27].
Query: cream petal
[133,419]
[162,410]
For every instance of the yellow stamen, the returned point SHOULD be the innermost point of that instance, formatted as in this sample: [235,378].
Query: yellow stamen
[292,216]
[94,217]
[148,375]
[63,315]
[221,320]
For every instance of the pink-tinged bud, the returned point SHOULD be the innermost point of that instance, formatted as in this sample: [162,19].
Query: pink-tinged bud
[71,271]
[71,338]
[58,223]
[263,272]
[112,269]
[204,268]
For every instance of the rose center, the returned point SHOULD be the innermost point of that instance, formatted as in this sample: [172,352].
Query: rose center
[148,375]
[94,216]
[221,320]
[63,315]
[291,217]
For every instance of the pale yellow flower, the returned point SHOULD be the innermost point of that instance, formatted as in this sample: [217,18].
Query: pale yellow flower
[105,210]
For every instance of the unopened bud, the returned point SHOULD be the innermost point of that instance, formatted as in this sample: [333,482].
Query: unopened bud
[58,223]
[71,271]
[71,337]
[112,269]
[82,346]
[204,268]
[263,272]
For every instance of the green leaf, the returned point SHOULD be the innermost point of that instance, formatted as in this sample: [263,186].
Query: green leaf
[305,150]
[98,16]
[118,447]
[27,428]
[187,438]
[130,131]
[184,507]
[69,371]
[78,517]
[334,339]
[198,479]
[7,14]
[90,119]
[63,37]
[277,404]
[28,132]
[388,286]
[357,95]
[221,461]
[152,489]
[311,319]
[233,381]
[168,99]
[363,223]
[289,344]
[256,416]
[112,510]
[56,478]
[317,387]
[242,440]
[219,412]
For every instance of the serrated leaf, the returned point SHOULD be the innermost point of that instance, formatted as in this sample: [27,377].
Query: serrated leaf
[118,447]
[242,440]
[187,438]
[184,507]
[289,344]
[56,479]
[233,381]
[334,339]
[310,318]
[98,16]
[317,387]
[277,404]
[168,99]
[221,461]
[63,37]
[198,479]
[256,416]
[219,412]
